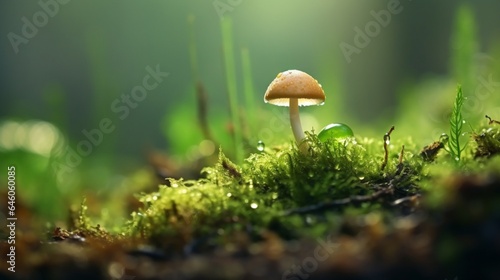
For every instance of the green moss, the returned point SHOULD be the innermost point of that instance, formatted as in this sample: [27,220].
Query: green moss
[329,190]
[262,191]
[296,194]
[487,143]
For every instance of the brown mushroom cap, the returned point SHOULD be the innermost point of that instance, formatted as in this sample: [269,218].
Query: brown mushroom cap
[294,84]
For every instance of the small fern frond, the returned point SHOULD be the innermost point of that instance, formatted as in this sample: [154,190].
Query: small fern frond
[456,125]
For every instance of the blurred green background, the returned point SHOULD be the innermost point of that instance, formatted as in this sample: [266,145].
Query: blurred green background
[85,55]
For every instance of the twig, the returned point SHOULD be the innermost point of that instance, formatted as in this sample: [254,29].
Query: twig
[491,121]
[387,140]
[201,98]
[401,154]
[340,202]
[400,163]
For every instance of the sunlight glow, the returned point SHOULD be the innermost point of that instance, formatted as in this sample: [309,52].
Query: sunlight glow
[35,136]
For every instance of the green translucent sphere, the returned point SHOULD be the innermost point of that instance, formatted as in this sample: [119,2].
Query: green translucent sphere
[335,131]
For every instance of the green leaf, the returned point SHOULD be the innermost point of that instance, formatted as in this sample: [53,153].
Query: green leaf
[456,125]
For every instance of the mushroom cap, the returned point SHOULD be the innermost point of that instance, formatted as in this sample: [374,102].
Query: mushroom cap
[294,84]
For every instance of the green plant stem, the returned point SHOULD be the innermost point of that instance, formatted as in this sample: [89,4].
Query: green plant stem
[227,46]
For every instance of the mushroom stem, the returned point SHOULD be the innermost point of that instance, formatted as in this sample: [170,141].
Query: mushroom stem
[296,126]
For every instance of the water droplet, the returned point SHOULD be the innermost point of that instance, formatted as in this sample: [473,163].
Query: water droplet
[337,131]
[361,178]
[387,142]
[261,146]
[254,205]
[229,194]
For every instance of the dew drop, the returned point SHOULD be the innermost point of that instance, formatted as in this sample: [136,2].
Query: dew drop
[254,205]
[260,146]
[337,131]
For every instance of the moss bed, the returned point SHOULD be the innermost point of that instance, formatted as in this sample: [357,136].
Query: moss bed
[341,211]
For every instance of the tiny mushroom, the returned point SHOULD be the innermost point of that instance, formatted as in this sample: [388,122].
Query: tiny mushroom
[294,88]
